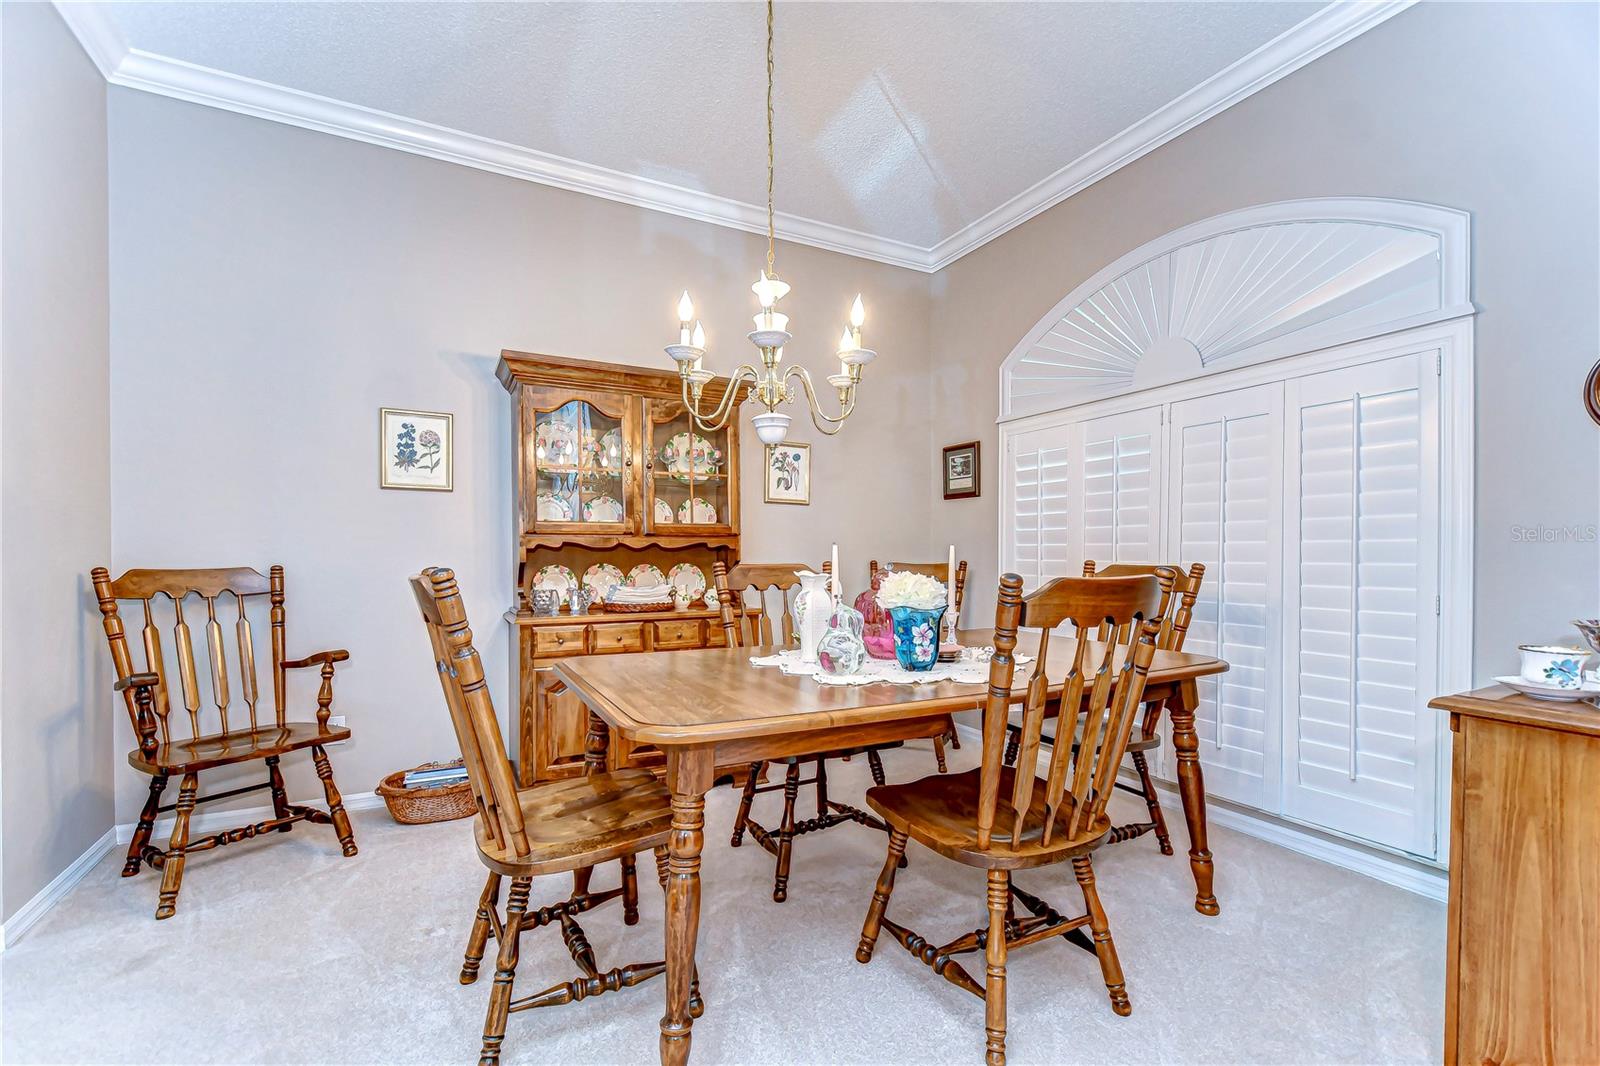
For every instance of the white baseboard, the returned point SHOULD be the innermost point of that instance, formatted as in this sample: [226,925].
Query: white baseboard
[210,821]
[1410,874]
[30,912]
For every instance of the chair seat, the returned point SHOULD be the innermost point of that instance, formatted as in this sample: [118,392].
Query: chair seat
[941,812]
[242,745]
[579,821]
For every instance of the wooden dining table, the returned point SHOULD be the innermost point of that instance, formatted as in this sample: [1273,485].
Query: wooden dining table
[710,707]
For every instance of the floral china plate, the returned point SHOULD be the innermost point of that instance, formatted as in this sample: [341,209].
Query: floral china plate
[1589,690]
[684,455]
[646,576]
[602,509]
[601,578]
[663,512]
[548,507]
[555,443]
[557,577]
[688,579]
[697,511]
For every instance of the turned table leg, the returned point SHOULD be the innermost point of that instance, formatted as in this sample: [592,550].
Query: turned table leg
[689,772]
[1192,791]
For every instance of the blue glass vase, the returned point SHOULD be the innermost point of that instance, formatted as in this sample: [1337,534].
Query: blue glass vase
[916,636]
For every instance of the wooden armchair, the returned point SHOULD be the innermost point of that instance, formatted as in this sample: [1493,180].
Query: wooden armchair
[147,696]
[1178,593]
[569,824]
[1001,819]
[733,586]
[939,572]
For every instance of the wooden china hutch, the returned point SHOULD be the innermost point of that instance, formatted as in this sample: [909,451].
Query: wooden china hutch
[602,479]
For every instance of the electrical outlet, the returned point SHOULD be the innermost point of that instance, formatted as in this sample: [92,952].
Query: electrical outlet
[336,721]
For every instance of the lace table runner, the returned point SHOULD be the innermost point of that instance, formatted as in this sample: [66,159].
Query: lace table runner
[971,669]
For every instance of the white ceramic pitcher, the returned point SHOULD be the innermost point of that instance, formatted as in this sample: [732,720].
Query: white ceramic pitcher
[812,607]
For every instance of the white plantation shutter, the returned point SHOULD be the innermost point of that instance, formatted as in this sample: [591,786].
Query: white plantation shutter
[1226,492]
[1314,504]
[1121,481]
[1039,479]
[1360,633]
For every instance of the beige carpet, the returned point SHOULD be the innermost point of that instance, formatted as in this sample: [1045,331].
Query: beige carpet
[282,951]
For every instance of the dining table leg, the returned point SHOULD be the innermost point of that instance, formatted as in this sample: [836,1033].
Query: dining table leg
[689,773]
[1181,706]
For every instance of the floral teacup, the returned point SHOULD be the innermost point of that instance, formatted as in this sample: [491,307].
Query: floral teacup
[1556,665]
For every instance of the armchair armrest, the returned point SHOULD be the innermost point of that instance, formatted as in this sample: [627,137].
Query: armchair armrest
[325,693]
[137,681]
[140,692]
[327,658]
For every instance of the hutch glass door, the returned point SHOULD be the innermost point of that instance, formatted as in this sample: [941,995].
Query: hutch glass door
[686,482]
[581,456]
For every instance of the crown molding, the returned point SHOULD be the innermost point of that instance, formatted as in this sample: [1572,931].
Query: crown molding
[1302,43]
[134,68]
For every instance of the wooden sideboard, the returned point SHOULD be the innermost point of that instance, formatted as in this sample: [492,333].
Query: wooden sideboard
[594,484]
[1523,967]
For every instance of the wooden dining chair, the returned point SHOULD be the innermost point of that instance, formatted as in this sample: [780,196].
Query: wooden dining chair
[733,589]
[1179,589]
[939,572]
[1000,818]
[213,738]
[570,824]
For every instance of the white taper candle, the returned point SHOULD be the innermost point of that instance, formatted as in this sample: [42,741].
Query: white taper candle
[838,590]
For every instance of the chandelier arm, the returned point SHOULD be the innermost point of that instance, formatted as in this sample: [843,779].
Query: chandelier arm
[828,424]
[718,417]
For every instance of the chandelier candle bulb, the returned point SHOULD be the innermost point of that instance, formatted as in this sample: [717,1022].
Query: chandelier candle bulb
[858,315]
[685,313]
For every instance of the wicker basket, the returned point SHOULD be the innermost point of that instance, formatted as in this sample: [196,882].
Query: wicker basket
[634,608]
[418,806]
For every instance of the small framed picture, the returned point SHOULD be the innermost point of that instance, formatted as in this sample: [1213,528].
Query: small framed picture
[415,450]
[788,477]
[961,471]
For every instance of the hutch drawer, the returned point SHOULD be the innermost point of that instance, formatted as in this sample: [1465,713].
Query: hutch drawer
[554,641]
[617,636]
[684,634]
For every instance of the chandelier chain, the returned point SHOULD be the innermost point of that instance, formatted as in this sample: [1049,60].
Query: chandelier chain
[771,256]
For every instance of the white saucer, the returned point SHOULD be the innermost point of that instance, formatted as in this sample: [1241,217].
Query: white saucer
[1551,692]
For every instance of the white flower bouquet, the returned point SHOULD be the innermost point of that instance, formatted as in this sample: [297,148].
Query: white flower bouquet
[902,588]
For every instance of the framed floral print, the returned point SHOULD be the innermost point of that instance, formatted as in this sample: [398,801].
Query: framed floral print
[961,471]
[415,450]
[788,478]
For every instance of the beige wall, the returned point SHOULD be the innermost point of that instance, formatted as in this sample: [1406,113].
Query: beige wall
[55,519]
[1484,107]
[273,287]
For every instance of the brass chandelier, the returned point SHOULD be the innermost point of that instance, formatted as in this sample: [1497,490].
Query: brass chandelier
[771,384]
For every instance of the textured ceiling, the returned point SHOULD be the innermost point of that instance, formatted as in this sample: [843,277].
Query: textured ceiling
[903,120]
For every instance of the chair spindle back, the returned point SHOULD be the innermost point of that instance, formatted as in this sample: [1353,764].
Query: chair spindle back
[746,627]
[1179,590]
[937,571]
[483,751]
[214,589]
[1079,778]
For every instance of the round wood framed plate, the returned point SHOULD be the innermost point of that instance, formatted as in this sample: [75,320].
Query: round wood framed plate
[1591,393]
